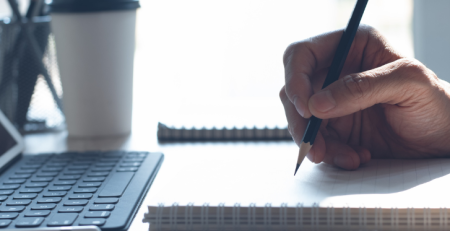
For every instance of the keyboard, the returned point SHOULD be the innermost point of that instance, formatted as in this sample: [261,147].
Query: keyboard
[103,189]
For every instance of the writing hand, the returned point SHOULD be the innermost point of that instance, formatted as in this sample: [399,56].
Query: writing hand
[382,106]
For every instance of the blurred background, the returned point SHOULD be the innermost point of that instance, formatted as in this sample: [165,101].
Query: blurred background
[219,63]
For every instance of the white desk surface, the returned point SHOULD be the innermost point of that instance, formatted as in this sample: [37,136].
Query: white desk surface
[186,166]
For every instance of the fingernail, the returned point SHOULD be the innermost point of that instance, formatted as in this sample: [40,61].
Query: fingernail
[298,105]
[342,161]
[323,101]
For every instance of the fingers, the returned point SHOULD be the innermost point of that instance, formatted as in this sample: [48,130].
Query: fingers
[301,60]
[393,83]
[328,150]
[297,124]
[344,156]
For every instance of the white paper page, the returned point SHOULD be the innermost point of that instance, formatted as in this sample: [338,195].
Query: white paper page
[269,179]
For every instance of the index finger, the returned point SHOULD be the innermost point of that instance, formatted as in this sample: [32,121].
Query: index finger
[301,60]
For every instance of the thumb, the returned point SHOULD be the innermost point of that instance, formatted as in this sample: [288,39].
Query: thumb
[393,83]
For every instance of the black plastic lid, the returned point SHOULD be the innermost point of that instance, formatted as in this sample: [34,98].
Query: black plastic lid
[73,6]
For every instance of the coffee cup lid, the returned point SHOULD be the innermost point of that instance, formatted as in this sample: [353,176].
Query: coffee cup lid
[78,6]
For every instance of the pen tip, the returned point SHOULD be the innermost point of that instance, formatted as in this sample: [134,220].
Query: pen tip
[296,168]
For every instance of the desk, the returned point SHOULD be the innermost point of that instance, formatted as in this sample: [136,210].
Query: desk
[200,172]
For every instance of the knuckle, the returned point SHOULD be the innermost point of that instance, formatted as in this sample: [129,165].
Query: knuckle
[367,28]
[288,53]
[357,85]
[417,73]
[295,48]
[282,94]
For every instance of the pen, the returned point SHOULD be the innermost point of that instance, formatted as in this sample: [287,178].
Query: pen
[333,74]
[68,228]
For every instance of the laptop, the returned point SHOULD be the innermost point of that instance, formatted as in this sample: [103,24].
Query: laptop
[100,189]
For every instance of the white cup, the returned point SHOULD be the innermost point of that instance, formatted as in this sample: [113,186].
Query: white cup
[95,53]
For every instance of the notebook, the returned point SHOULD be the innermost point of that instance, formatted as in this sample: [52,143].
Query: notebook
[167,134]
[381,195]
[99,190]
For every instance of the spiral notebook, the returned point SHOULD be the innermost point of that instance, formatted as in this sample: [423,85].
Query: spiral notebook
[167,134]
[382,195]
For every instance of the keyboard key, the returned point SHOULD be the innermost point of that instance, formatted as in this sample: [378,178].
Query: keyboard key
[47,174]
[25,196]
[130,169]
[49,200]
[3,198]
[93,221]
[17,181]
[6,192]
[42,179]
[62,219]
[54,194]
[31,166]
[94,179]
[106,201]
[88,185]
[81,196]
[70,209]
[8,215]
[20,176]
[27,171]
[109,160]
[132,160]
[64,182]
[97,174]
[77,172]
[116,185]
[85,190]
[70,177]
[42,213]
[43,207]
[76,202]
[52,169]
[29,222]
[58,164]
[4,223]
[18,202]
[60,188]
[105,164]
[101,169]
[36,185]
[12,209]
[10,186]
[79,167]
[97,214]
[137,155]
[132,164]
[101,207]
[117,154]
[31,190]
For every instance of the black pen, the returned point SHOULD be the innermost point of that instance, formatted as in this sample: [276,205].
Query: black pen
[333,74]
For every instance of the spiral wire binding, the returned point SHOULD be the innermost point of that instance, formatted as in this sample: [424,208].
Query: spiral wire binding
[173,216]
[267,214]
[283,215]
[251,214]
[236,216]
[189,216]
[399,219]
[167,134]
[159,212]
[205,216]
[299,213]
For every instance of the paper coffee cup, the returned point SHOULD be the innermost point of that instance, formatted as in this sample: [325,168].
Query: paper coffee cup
[95,42]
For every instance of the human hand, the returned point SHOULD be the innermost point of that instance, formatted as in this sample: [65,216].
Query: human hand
[382,106]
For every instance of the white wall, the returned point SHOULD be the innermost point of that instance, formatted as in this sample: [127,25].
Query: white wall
[431,30]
